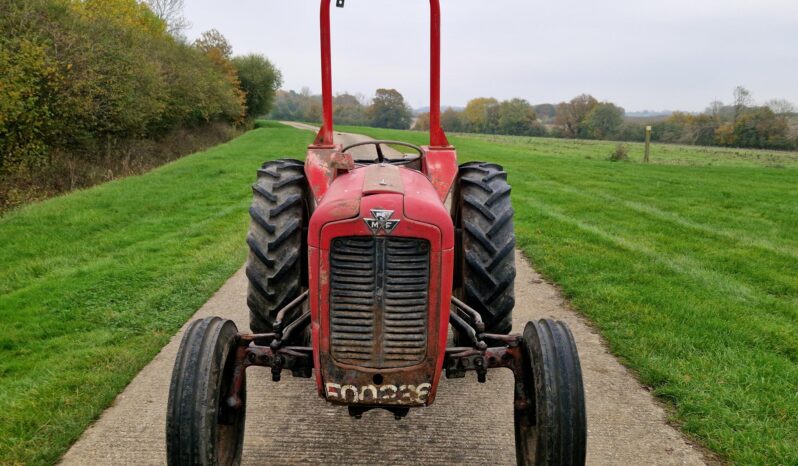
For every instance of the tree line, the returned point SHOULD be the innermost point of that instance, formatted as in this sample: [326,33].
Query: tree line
[387,109]
[81,79]
[741,123]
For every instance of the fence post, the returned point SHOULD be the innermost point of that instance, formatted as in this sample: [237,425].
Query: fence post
[648,144]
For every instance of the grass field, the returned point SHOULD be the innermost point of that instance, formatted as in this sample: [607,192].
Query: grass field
[688,266]
[663,154]
[93,284]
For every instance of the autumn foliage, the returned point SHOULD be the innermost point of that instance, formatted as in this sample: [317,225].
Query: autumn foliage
[80,76]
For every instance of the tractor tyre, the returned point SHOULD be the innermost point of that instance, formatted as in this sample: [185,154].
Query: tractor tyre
[201,429]
[485,253]
[553,430]
[278,264]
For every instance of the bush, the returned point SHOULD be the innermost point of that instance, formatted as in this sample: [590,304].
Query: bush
[621,154]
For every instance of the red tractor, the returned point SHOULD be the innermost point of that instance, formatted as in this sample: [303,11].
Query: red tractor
[358,268]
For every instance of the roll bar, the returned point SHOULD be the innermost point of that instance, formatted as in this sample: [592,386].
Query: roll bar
[437,136]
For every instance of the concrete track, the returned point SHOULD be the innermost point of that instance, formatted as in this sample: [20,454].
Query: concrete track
[470,423]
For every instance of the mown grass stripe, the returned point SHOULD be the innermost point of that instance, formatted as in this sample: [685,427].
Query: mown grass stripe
[672,217]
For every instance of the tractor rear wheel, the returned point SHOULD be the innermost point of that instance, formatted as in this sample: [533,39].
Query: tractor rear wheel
[201,429]
[553,431]
[485,261]
[277,239]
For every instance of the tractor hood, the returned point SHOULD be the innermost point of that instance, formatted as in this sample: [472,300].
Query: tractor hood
[381,246]
[407,193]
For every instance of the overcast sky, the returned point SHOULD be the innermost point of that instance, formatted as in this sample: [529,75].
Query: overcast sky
[656,55]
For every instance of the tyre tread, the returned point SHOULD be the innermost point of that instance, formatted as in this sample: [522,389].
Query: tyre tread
[555,383]
[190,426]
[276,258]
[487,250]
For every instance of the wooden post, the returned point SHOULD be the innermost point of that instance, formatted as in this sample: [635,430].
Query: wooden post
[648,144]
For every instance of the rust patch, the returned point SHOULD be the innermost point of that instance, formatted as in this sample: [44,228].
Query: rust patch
[341,162]
[323,165]
[344,384]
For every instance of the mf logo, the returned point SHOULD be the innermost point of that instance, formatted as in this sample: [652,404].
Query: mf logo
[381,221]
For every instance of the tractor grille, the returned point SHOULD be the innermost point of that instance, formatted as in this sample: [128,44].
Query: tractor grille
[379,298]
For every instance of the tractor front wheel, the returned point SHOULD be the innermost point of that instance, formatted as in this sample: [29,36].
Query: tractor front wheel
[552,431]
[201,429]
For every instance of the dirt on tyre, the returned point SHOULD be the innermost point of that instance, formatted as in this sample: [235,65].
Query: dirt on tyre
[201,429]
[553,431]
[277,265]
[485,253]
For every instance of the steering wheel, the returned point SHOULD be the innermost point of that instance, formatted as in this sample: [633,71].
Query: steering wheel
[381,157]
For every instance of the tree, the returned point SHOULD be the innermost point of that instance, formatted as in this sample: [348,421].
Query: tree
[570,115]
[673,128]
[715,108]
[517,117]
[260,80]
[633,131]
[422,122]
[171,12]
[286,106]
[686,128]
[125,15]
[310,107]
[702,129]
[218,49]
[481,115]
[742,100]
[214,40]
[603,121]
[349,110]
[724,135]
[761,128]
[546,112]
[452,120]
[780,106]
[389,110]
[297,106]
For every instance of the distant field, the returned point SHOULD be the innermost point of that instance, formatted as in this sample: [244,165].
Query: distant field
[687,265]
[661,154]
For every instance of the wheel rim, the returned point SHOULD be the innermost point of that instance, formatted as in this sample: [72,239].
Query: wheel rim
[527,438]
[229,421]
[527,431]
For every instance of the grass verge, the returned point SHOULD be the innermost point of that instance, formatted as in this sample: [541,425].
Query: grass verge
[66,171]
[688,266]
[94,283]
